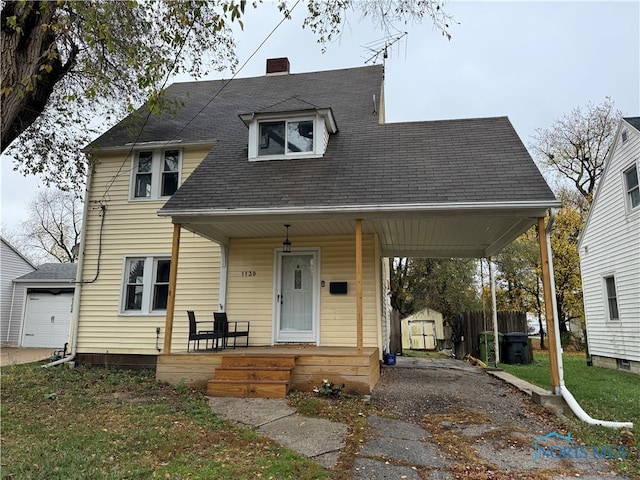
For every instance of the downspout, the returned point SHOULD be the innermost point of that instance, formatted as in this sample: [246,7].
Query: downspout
[75,317]
[566,394]
[13,298]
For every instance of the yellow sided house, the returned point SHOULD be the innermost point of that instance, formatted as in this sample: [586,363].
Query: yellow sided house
[277,200]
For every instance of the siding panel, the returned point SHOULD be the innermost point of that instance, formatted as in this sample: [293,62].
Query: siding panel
[610,245]
[133,228]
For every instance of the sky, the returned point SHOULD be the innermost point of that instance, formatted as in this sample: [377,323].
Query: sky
[530,61]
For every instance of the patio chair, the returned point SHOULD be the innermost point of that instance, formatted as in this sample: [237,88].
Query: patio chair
[196,335]
[227,329]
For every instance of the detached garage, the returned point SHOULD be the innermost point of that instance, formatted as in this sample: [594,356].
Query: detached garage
[47,309]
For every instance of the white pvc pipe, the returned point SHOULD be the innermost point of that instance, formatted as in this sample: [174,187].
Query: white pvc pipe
[494,315]
[562,389]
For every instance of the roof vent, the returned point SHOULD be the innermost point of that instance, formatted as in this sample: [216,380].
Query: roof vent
[278,66]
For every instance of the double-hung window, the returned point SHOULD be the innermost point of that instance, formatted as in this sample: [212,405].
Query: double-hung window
[632,187]
[145,286]
[156,174]
[612,298]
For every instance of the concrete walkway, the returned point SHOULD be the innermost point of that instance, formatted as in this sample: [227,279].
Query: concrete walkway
[18,356]
[315,438]
[399,449]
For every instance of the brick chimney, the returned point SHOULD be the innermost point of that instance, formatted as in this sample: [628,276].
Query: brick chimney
[278,66]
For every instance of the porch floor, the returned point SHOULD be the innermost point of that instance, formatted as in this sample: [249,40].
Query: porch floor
[340,365]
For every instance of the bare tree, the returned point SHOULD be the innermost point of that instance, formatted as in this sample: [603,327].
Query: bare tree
[53,226]
[576,145]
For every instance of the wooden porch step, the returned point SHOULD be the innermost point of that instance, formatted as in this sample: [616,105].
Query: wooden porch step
[258,361]
[252,376]
[248,389]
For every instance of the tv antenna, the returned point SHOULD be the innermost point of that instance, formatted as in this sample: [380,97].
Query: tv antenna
[380,48]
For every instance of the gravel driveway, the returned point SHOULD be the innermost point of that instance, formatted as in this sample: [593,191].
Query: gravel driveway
[474,426]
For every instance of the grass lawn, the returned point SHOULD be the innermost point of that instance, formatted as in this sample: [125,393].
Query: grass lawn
[67,424]
[603,393]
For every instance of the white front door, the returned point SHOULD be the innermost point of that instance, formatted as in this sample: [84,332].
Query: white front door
[296,296]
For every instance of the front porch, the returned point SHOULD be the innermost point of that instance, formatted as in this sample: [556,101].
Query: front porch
[359,372]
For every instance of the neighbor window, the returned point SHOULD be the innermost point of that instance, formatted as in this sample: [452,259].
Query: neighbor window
[633,190]
[612,300]
[145,285]
[286,137]
[155,173]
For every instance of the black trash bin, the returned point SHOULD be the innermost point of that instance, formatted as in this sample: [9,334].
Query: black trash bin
[516,348]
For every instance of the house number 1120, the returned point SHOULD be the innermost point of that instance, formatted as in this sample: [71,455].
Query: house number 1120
[249,273]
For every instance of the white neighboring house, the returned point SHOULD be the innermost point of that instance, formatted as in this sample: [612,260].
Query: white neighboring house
[47,305]
[610,256]
[12,264]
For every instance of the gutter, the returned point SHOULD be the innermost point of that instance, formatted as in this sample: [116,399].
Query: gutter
[75,318]
[577,410]
[360,209]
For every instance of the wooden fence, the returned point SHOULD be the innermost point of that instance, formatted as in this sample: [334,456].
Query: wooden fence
[469,325]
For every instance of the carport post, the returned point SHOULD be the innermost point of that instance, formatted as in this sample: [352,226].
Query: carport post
[359,285]
[173,279]
[548,307]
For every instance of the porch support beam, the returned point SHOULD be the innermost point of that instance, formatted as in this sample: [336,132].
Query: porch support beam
[359,329]
[548,307]
[173,279]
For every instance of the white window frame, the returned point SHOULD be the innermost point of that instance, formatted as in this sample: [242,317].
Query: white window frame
[607,298]
[149,282]
[627,190]
[323,125]
[157,173]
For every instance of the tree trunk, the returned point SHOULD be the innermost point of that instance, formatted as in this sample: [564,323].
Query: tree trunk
[31,64]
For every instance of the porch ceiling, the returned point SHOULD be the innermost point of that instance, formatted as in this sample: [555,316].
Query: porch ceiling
[471,232]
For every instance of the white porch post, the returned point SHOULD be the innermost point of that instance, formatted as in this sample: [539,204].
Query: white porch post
[359,327]
[222,292]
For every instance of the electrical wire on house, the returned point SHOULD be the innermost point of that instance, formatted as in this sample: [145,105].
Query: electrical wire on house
[206,105]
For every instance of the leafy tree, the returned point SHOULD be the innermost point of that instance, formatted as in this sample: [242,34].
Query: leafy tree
[53,227]
[68,62]
[445,285]
[519,273]
[576,145]
[566,262]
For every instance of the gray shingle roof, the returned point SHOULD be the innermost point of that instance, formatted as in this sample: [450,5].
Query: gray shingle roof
[51,273]
[434,162]
[634,122]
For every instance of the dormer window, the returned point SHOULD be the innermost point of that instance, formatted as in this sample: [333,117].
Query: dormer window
[297,134]
[286,137]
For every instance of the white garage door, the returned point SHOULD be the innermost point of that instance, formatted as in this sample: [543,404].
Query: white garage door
[47,318]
